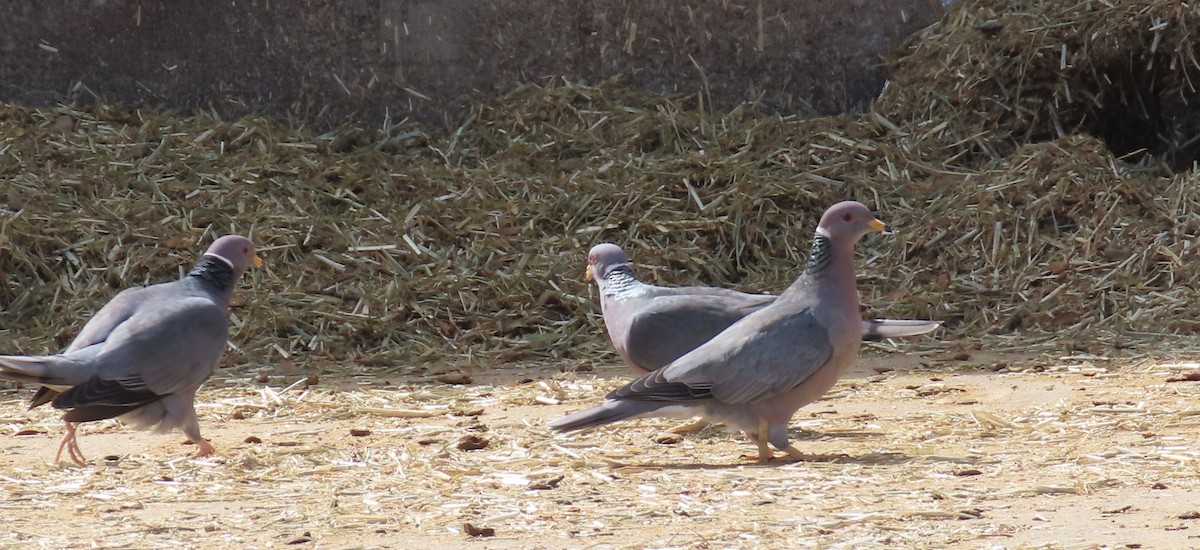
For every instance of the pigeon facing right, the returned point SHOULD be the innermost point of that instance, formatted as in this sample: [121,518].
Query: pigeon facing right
[650,326]
[757,373]
[145,353]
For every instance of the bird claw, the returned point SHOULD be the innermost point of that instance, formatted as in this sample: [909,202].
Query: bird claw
[205,449]
[690,427]
[797,456]
[71,444]
[757,457]
[765,454]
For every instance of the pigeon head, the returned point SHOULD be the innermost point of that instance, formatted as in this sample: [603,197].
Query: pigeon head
[602,259]
[235,250]
[849,221]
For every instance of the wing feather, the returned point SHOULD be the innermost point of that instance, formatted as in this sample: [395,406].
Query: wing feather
[762,355]
[670,326]
[169,349]
[156,352]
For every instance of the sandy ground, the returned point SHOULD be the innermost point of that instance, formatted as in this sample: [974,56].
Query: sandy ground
[908,451]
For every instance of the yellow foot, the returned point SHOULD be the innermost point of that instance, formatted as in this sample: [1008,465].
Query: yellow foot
[793,455]
[764,451]
[205,449]
[758,457]
[690,427]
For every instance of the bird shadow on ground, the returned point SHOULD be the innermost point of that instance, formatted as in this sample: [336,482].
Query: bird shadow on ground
[744,461]
[810,435]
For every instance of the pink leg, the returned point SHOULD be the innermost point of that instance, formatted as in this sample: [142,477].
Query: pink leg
[71,445]
[192,431]
[690,427]
[205,448]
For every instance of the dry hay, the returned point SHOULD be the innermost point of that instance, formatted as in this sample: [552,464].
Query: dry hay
[466,245]
[408,245]
[1018,458]
[1001,74]
[1005,114]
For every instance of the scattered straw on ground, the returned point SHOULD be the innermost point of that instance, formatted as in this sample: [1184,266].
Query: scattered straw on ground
[1032,154]
[1065,453]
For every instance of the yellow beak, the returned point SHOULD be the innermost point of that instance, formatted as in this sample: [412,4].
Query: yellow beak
[587,276]
[880,226]
[257,261]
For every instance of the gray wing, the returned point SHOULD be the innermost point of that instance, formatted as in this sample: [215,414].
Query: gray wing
[120,308]
[670,326]
[96,330]
[168,349]
[749,300]
[757,358]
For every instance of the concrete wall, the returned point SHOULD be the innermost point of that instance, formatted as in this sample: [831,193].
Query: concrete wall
[328,61]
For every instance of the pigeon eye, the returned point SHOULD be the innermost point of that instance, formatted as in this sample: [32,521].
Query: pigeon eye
[847,217]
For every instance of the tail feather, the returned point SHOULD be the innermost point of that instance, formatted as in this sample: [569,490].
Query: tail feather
[45,394]
[61,371]
[34,369]
[879,329]
[605,413]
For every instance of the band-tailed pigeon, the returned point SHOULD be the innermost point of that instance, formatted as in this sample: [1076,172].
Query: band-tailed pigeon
[145,353]
[757,373]
[650,325]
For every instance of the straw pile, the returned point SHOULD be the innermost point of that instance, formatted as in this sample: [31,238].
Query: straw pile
[1001,74]
[466,245]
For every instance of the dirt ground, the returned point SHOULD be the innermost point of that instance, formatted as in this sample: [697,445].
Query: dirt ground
[913,449]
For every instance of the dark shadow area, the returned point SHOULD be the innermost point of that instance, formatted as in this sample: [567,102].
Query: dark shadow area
[1145,111]
[868,459]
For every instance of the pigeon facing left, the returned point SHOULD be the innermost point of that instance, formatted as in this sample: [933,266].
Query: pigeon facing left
[651,325]
[143,356]
[757,373]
